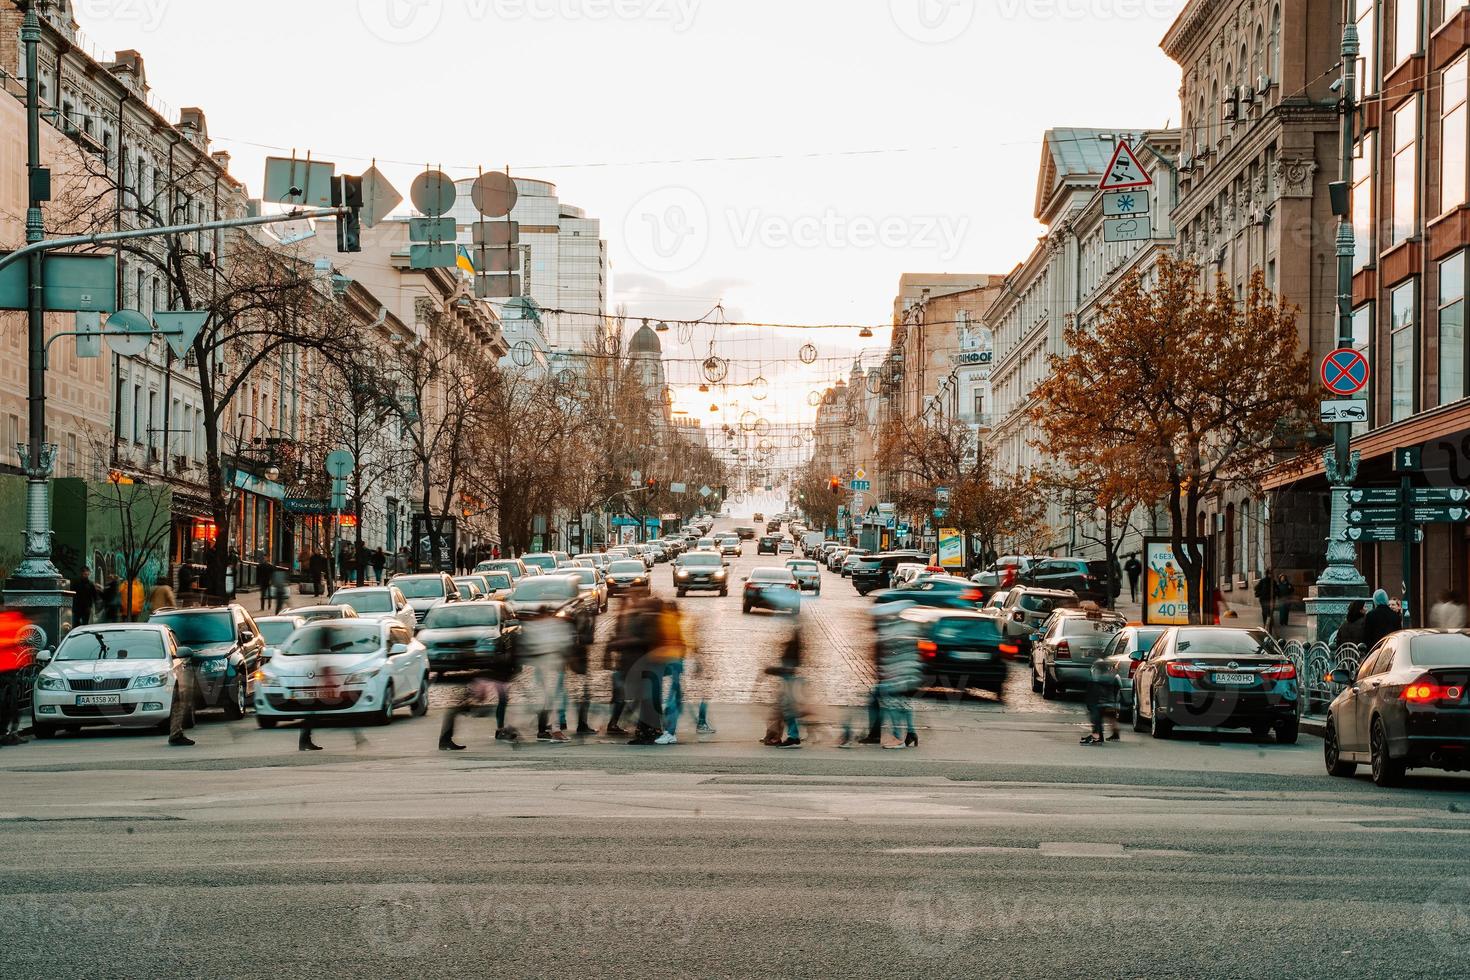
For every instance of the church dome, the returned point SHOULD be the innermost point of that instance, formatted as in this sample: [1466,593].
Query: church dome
[645,341]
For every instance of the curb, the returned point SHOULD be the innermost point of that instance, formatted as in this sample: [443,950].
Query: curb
[1314,725]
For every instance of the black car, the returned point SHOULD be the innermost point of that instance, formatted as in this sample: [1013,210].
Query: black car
[745,533]
[468,635]
[873,572]
[701,571]
[768,545]
[1406,708]
[1215,677]
[772,588]
[958,649]
[555,595]
[1088,579]
[942,591]
[226,648]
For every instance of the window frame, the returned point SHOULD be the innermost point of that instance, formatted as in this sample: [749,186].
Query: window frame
[1404,226]
[1442,304]
[1407,332]
[1461,108]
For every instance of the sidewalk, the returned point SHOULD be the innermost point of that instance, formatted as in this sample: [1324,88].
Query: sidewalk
[1247,615]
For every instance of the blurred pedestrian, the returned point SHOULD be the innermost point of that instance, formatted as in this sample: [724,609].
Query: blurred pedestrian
[495,552]
[380,561]
[1353,628]
[1284,593]
[264,572]
[1266,596]
[1380,621]
[899,676]
[672,650]
[16,657]
[788,708]
[1103,692]
[161,596]
[493,682]
[1448,613]
[578,665]
[344,563]
[181,709]
[84,598]
[112,599]
[1134,570]
[544,644]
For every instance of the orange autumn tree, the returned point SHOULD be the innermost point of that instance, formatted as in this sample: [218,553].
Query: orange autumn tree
[1178,392]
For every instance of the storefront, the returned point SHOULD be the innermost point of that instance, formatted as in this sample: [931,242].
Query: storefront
[262,531]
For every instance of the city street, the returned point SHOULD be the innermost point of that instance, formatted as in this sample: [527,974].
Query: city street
[1000,845]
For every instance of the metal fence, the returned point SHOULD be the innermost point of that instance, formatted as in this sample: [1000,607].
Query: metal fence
[1314,661]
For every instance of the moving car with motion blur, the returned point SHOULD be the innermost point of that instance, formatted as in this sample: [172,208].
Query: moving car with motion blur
[468,636]
[1216,677]
[1122,658]
[1003,572]
[1407,707]
[957,649]
[745,533]
[942,591]
[808,574]
[224,646]
[364,668]
[1062,653]
[628,575]
[119,674]
[377,602]
[873,572]
[701,571]
[773,588]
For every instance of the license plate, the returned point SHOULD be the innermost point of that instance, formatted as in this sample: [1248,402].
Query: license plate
[1235,678]
[972,655]
[98,699]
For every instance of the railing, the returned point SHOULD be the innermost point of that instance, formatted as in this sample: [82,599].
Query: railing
[1314,661]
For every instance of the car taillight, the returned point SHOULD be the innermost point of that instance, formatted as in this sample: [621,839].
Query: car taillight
[1064,650]
[972,595]
[1185,671]
[928,648]
[1426,689]
[1133,667]
[1009,649]
[1281,672]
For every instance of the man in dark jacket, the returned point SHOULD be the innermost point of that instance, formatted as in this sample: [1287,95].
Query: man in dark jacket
[265,572]
[84,598]
[1380,622]
[628,656]
[1134,569]
[1266,596]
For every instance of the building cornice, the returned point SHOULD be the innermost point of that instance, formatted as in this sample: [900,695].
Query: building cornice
[1191,24]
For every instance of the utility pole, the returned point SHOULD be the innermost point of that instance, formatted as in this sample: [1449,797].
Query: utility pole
[1341,582]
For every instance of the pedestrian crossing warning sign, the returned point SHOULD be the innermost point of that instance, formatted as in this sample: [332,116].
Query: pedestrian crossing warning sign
[1124,171]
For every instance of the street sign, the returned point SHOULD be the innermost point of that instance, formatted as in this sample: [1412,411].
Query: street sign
[433,193]
[862,485]
[1436,497]
[677,488]
[494,194]
[940,513]
[444,255]
[179,328]
[637,477]
[1124,171]
[941,494]
[1408,459]
[1127,229]
[1365,516]
[496,234]
[431,229]
[1377,534]
[339,464]
[497,286]
[1125,204]
[887,508]
[1439,515]
[905,529]
[312,178]
[71,284]
[379,197]
[705,492]
[89,335]
[1345,372]
[128,333]
[860,474]
[1345,410]
[1373,496]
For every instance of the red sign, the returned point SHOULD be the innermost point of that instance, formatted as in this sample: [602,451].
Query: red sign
[1345,372]
[348,520]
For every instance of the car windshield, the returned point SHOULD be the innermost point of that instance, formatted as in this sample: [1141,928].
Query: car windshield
[119,644]
[376,601]
[510,568]
[336,637]
[1046,603]
[803,566]
[459,615]
[541,589]
[1235,643]
[198,629]
[627,568]
[498,580]
[1440,650]
[1144,640]
[1079,631]
[586,576]
[706,559]
[862,561]
[544,562]
[772,575]
[312,615]
[275,633]
[420,586]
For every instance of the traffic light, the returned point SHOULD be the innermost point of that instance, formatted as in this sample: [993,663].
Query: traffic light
[652,485]
[835,485]
[347,192]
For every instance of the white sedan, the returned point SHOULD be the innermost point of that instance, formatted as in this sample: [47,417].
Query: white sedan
[123,674]
[357,667]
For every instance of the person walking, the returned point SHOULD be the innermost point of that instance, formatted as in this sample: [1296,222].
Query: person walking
[161,596]
[84,598]
[673,648]
[380,561]
[626,651]
[899,675]
[1448,613]
[16,657]
[1285,591]
[459,561]
[1103,690]
[1353,628]
[344,563]
[1380,621]
[788,711]
[264,572]
[493,682]
[181,709]
[1134,570]
[545,641]
[1266,595]
[112,600]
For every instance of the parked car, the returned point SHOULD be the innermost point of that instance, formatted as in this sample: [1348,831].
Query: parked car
[469,590]
[628,575]
[591,580]
[1406,708]
[377,602]
[225,647]
[1216,677]
[957,649]
[274,630]
[513,567]
[468,636]
[702,571]
[424,592]
[1025,611]
[363,667]
[768,545]
[556,595]
[808,574]
[1002,573]
[117,674]
[316,614]
[1062,653]
[1089,579]
[1122,657]
[773,588]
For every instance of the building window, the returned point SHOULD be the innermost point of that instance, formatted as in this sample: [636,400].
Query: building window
[1454,136]
[1367,46]
[1405,171]
[1362,341]
[1402,325]
[137,413]
[1405,29]
[1448,9]
[1452,328]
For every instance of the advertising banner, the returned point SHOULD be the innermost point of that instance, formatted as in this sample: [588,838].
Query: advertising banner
[951,548]
[1165,595]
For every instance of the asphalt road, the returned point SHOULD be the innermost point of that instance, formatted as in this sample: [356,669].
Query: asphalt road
[1000,847]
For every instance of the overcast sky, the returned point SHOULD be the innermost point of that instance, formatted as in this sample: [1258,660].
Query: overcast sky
[789,157]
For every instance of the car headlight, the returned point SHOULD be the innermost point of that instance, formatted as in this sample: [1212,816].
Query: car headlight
[51,682]
[720,574]
[681,573]
[150,680]
[214,665]
[361,677]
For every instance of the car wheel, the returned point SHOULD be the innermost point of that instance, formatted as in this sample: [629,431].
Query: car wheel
[683,593]
[1140,724]
[1332,754]
[41,730]
[817,591]
[385,710]
[235,705]
[1287,730]
[1049,687]
[1159,726]
[745,607]
[420,706]
[724,593]
[1387,771]
[1035,681]
[1260,729]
